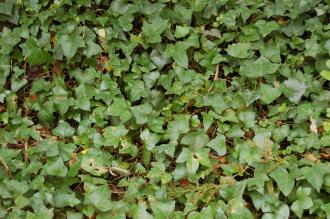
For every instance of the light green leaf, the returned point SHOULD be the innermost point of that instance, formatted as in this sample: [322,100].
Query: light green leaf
[283,179]
[203,157]
[163,210]
[34,54]
[139,211]
[74,215]
[195,140]
[302,202]
[141,112]
[17,187]
[294,90]
[120,108]
[266,28]
[180,125]
[258,68]
[43,214]
[63,199]
[63,129]
[315,175]
[128,148]
[184,155]
[216,101]
[327,63]
[94,162]
[218,144]
[247,117]
[92,49]
[192,163]
[313,48]
[180,54]
[100,198]
[153,30]
[198,5]
[238,210]
[325,74]
[181,31]
[239,50]
[55,168]
[149,138]
[112,135]
[70,43]
[269,93]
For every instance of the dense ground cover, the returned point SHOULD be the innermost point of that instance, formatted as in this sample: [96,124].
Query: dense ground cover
[164,109]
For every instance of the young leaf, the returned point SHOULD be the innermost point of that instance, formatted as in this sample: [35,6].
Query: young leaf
[258,68]
[218,144]
[283,179]
[63,129]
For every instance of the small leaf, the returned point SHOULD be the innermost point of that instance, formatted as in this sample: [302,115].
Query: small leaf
[269,93]
[181,31]
[180,54]
[100,198]
[34,54]
[120,108]
[315,175]
[303,201]
[139,211]
[203,157]
[70,43]
[258,68]
[283,179]
[218,144]
[294,89]
[63,129]
[56,168]
[266,28]
[192,163]
[247,118]
[327,63]
[239,50]
[63,199]
[141,113]
[153,30]
[325,74]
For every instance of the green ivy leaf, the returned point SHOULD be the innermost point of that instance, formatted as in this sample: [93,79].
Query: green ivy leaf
[63,129]
[315,175]
[283,179]
[258,68]
[325,74]
[140,211]
[269,93]
[302,202]
[63,199]
[34,54]
[181,31]
[266,28]
[43,214]
[294,90]
[203,157]
[120,108]
[112,135]
[218,144]
[149,138]
[180,54]
[248,118]
[239,50]
[141,113]
[153,30]
[55,168]
[70,43]
[99,198]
